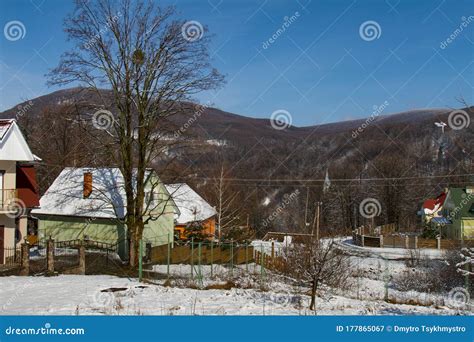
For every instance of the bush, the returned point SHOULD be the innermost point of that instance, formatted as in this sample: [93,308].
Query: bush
[430,275]
[417,280]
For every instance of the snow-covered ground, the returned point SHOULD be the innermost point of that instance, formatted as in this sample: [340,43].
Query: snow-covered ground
[109,295]
[238,291]
[81,295]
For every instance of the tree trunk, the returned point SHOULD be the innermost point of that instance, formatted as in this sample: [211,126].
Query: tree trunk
[314,287]
[135,237]
[133,252]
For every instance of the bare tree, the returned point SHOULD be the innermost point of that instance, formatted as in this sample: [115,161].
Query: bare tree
[465,267]
[226,204]
[151,63]
[317,264]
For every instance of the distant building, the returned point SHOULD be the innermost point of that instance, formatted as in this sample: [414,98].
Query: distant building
[432,207]
[452,213]
[18,188]
[90,203]
[192,208]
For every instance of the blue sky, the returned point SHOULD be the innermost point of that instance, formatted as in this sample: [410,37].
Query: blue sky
[320,69]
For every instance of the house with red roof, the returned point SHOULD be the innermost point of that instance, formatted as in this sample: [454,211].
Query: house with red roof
[18,188]
[451,214]
[431,208]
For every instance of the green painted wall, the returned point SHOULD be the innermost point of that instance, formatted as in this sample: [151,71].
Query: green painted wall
[63,228]
[157,232]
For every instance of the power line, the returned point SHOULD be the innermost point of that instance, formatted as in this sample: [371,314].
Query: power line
[296,180]
[293,185]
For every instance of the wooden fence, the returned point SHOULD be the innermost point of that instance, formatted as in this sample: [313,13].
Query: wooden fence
[273,262]
[406,241]
[203,253]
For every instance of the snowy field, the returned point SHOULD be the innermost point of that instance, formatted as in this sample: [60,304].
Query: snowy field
[238,291]
[81,295]
[109,295]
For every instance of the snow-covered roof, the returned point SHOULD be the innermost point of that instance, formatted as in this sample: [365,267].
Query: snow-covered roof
[192,207]
[65,196]
[13,145]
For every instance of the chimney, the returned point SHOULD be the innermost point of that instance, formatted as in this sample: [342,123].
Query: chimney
[87,184]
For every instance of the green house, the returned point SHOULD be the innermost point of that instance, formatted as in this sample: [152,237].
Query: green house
[458,212]
[90,203]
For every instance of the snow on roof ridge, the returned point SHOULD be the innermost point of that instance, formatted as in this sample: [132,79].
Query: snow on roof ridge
[192,206]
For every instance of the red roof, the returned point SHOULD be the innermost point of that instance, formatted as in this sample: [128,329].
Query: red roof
[433,203]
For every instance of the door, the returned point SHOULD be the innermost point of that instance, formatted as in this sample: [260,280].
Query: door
[2,244]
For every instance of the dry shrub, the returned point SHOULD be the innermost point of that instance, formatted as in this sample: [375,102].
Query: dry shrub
[431,276]
[417,280]
[221,286]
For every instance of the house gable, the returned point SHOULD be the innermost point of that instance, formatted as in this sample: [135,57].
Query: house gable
[13,145]
[163,202]
[192,207]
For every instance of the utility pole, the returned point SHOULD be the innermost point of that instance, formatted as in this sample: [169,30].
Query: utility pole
[316,221]
[306,210]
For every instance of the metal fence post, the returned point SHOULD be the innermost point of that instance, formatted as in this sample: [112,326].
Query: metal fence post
[232,258]
[140,260]
[192,258]
[168,258]
[262,272]
[212,257]
[247,257]
[199,261]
